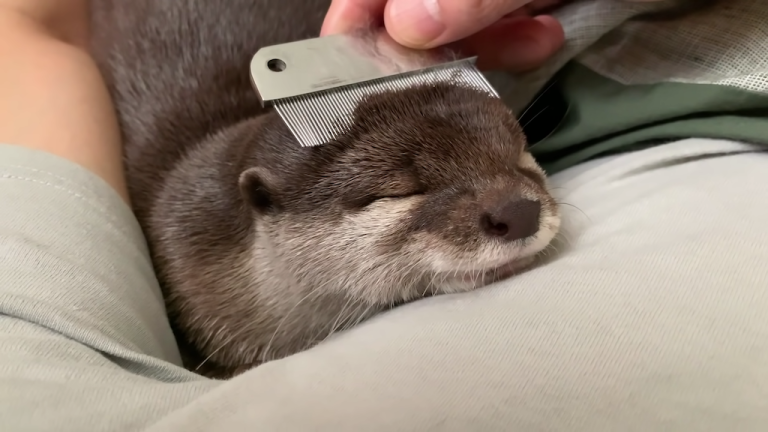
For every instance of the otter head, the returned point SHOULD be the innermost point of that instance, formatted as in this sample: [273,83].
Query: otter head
[431,191]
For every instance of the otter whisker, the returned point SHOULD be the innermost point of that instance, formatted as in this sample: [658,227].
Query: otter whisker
[429,286]
[408,293]
[534,117]
[343,323]
[361,317]
[287,315]
[573,206]
[339,321]
[560,237]
[531,105]
[223,345]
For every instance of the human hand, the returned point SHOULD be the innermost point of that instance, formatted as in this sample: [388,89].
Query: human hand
[504,34]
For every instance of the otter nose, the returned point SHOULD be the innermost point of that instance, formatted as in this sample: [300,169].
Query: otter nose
[515,220]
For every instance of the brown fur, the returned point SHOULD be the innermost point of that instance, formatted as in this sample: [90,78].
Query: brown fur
[264,248]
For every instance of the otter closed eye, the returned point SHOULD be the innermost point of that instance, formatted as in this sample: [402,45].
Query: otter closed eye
[372,199]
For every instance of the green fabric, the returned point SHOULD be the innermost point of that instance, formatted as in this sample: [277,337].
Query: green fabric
[608,117]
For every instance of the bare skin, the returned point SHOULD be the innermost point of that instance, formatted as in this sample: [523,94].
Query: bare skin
[515,35]
[54,98]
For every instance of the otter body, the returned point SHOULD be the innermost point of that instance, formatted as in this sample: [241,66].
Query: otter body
[264,248]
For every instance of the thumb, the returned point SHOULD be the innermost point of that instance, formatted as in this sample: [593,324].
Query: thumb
[429,23]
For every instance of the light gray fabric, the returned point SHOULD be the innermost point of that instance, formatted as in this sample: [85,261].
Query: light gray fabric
[652,316]
[84,341]
[723,45]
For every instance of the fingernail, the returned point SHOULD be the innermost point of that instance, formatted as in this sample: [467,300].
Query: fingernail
[415,22]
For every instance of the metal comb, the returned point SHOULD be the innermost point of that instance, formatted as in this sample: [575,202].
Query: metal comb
[316,84]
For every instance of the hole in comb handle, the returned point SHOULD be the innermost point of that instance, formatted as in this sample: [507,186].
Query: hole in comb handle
[276,65]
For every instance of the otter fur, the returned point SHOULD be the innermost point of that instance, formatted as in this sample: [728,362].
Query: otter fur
[264,248]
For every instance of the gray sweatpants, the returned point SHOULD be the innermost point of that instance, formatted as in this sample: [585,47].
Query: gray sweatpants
[653,316]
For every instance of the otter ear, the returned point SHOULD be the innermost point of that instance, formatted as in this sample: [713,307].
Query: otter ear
[258,187]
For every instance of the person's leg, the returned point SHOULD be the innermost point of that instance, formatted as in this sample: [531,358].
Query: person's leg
[655,318]
[85,344]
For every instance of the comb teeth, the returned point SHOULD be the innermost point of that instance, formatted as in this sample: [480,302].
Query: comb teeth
[317,118]
[315,85]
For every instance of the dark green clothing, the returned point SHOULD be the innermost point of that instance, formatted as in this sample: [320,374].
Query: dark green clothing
[606,117]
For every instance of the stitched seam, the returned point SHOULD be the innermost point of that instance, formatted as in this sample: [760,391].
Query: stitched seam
[72,193]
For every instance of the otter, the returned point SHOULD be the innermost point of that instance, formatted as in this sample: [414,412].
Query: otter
[263,248]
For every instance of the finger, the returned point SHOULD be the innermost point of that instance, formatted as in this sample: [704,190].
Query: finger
[429,23]
[518,44]
[347,15]
[536,6]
